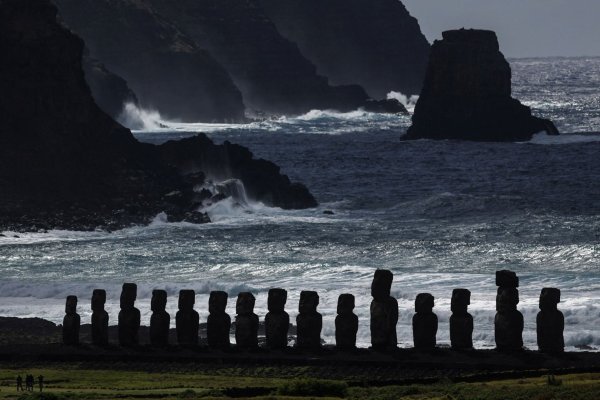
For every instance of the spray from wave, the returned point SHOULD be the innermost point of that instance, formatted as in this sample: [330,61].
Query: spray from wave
[407,101]
[136,118]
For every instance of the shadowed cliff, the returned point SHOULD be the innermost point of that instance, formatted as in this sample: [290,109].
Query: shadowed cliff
[165,69]
[375,44]
[65,164]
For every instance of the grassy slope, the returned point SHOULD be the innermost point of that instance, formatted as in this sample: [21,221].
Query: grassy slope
[73,382]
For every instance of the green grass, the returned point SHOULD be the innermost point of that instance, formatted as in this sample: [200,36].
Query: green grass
[72,382]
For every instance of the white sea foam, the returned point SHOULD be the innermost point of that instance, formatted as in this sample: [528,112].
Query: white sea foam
[544,138]
[407,101]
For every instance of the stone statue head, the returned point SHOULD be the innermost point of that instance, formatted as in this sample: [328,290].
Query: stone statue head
[159,300]
[71,305]
[549,299]
[277,300]
[461,298]
[507,299]
[345,304]
[245,303]
[424,303]
[507,279]
[98,299]
[217,302]
[309,301]
[187,299]
[128,295]
[382,284]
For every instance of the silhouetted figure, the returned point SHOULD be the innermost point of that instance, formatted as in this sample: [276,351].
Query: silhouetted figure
[425,322]
[309,322]
[219,322]
[20,383]
[99,318]
[129,316]
[346,323]
[187,319]
[160,321]
[29,383]
[246,322]
[508,324]
[71,322]
[550,323]
[41,382]
[277,321]
[384,312]
[461,322]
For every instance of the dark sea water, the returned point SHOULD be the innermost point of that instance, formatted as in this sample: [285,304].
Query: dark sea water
[440,215]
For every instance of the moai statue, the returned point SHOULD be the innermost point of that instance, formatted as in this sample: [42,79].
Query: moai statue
[384,312]
[550,322]
[425,322]
[246,322]
[461,322]
[160,321]
[277,321]
[99,318]
[71,322]
[508,324]
[346,323]
[309,322]
[187,319]
[129,316]
[219,322]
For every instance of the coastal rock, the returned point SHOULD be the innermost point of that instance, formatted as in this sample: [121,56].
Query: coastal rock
[163,66]
[467,94]
[272,74]
[375,44]
[110,91]
[65,164]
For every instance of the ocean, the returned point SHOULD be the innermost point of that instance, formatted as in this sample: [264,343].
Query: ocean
[440,215]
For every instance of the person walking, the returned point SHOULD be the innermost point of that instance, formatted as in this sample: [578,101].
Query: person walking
[29,383]
[41,382]
[20,384]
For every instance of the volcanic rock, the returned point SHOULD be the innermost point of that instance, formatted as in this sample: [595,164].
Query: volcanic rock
[375,44]
[467,94]
[165,68]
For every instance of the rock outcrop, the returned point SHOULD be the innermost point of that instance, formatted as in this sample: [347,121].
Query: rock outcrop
[375,44]
[109,90]
[66,164]
[467,94]
[166,69]
[274,77]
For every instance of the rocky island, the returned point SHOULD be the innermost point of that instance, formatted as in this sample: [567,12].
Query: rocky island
[66,164]
[467,94]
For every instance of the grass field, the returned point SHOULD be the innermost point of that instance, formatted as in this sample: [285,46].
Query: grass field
[73,382]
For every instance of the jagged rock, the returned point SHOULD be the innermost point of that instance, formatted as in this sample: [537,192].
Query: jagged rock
[375,44]
[467,94]
[110,91]
[55,140]
[164,67]
[272,74]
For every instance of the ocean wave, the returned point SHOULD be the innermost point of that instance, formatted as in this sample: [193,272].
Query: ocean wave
[545,139]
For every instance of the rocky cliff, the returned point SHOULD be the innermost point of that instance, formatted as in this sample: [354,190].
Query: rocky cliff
[166,69]
[467,93]
[65,164]
[376,44]
[273,75]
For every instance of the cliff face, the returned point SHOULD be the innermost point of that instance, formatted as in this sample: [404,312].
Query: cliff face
[376,44]
[467,93]
[110,91]
[166,69]
[272,74]
[65,164]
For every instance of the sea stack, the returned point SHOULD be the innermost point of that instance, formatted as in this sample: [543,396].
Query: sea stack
[467,94]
